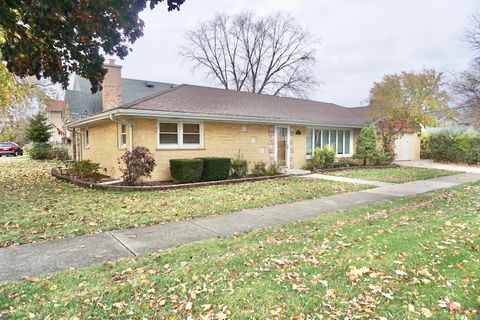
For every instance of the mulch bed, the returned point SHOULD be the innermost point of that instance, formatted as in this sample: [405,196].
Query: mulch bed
[154,185]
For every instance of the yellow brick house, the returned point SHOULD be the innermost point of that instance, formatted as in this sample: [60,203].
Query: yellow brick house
[188,121]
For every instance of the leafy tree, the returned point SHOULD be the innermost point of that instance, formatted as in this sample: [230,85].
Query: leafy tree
[18,98]
[406,101]
[366,145]
[52,39]
[243,52]
[38,131]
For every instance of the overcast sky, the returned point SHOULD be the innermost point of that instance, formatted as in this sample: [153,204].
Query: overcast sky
[360,40]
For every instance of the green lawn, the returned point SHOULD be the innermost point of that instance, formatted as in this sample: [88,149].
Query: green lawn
[404,259]
[393,175]
[35,206]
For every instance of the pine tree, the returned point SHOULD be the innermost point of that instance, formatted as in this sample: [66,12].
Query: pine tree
[38,130]
[366,145]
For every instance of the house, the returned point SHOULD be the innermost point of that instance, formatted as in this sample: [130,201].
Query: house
[188,121]
[55,120]
[81,103]
[458,121]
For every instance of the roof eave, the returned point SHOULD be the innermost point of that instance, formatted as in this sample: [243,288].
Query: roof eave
[201,117]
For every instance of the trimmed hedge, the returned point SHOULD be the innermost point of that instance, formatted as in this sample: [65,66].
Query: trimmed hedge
[186,170]
[455,147]
[216,168]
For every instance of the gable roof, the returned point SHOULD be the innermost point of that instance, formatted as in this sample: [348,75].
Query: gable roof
[82,103]
[200,100]
[56,106]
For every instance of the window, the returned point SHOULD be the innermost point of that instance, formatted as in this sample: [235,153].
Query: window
[191,133]
[309,141]
[318,140]
[179,135]
[326,138]
[122,135]
[340,142]
[85,138]
[339,139]
[347,141]
[168,134]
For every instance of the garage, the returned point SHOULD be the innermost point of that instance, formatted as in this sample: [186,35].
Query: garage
[405,147]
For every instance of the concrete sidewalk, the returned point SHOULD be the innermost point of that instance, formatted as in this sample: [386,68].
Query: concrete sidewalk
[56,255]
[430,164]
[349,180]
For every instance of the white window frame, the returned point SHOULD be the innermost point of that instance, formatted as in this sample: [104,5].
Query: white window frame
[180,144]
[86,138]
[120,134]
[345,155]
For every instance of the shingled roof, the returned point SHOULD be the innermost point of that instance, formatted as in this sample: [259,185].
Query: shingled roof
[200,100]
[82,103]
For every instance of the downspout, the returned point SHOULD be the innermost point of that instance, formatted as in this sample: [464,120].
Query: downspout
[75,151]
[130,130]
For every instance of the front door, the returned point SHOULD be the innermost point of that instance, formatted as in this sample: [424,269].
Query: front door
[282,146]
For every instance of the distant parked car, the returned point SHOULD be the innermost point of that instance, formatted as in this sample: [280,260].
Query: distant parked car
[10,149]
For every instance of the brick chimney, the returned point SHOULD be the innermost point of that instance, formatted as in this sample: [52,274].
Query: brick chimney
[112,86]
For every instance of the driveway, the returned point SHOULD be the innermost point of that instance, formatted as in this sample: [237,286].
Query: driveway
[430,164]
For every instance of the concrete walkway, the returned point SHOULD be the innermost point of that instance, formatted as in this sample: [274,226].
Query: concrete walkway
[349,180]
[430,164]
[56,255]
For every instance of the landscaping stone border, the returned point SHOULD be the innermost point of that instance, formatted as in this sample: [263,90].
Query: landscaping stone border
[358,168]
[89,185]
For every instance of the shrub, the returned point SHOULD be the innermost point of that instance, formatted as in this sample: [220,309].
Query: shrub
[239,166]
[446,146]
[455,147]
[381,158]
[259,169]
[473,151]
[60,154]
[85,169]
[366,146]
[323,158]
[138,163]
[341,163]
[216,168]
[41,151]
[186,170]
[273,169]
[425,151]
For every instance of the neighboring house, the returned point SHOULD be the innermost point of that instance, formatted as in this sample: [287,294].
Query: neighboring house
[55,119]
[190,121]
[456,122]
[81,103]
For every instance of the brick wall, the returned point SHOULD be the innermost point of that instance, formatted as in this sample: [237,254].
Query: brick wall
[221,140]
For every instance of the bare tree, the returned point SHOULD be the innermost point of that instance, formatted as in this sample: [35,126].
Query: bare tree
[466,85]
[473,35]
[244,52]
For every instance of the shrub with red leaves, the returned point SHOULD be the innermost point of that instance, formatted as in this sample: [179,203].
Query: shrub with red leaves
[138,163]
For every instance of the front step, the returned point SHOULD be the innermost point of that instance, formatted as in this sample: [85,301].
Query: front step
[296,172]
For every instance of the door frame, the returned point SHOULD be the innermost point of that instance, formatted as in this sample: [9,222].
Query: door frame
[287,149]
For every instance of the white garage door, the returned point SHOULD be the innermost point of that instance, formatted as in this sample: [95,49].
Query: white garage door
[403,147]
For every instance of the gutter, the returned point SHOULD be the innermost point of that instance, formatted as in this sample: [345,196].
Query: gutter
[112,118]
